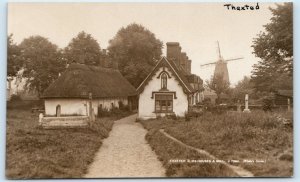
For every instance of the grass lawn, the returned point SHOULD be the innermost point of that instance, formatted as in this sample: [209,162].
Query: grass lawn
[32,152]
[254,136]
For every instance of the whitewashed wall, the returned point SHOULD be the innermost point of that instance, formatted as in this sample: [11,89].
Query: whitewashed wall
[68,106]
[80,106]
[146,103]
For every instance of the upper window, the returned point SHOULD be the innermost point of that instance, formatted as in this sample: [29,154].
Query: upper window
[164,79]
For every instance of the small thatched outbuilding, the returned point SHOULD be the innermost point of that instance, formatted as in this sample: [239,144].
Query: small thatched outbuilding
[72,92]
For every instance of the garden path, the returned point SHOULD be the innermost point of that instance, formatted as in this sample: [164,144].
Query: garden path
[125,153]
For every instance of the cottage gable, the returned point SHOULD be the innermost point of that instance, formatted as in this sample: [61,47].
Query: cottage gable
[170,88]
[164,63]
[164,92]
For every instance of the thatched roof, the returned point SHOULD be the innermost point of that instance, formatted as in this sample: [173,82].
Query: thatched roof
[79,80]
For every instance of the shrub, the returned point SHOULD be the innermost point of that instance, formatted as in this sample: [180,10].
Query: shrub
[121,105]
[286,157]
[115,111]
[187,116]
[267,103]
[207,105]
[25,104]
[172,116]
[217,109]
[196,114]
[15,98]
[103,112]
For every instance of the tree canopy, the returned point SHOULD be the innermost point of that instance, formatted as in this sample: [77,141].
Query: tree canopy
[136,50]
[242,88]
[41,62]
[83,49]
[275,49]
[14,62]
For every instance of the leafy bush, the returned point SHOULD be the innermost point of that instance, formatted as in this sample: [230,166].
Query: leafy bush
[216,109]
[15,98]
[196,114]
[187,116]
[121,105]
[286,157]
[267,103]
[172,116]
[104,112]
[24,104]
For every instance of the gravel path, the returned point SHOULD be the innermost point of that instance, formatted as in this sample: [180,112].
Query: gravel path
[125,153]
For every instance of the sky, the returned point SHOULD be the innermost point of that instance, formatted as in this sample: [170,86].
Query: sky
[196,26]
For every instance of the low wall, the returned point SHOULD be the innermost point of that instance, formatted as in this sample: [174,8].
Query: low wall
[68,122]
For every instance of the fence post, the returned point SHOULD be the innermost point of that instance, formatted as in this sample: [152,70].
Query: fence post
[91,107]
[40,118]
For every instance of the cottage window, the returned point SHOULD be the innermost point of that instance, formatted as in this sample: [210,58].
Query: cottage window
[164,79]
[163,103]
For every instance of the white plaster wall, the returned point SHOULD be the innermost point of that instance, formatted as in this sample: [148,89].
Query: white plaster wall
[68,106]
[80,106]
[146,103]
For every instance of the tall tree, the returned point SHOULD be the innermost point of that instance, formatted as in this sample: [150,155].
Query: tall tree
[42,62]
[242,88]
[218,84]
[14,63]
[136,50]
[275,48]
[83,49]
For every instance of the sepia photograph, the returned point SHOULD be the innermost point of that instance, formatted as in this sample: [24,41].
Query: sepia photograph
[149,90]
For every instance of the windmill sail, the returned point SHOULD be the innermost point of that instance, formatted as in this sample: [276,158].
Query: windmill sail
[221,65]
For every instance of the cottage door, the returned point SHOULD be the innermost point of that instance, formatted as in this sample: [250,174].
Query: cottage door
[99,110]
[58,111]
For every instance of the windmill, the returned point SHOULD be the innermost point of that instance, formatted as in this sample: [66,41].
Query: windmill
[221,65]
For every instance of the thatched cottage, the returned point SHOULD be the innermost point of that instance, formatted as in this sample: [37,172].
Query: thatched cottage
[170,88]
[71,93]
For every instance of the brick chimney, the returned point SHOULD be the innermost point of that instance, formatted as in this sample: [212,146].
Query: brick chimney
[182,61]
[189,68]
[186,64]
[173,52]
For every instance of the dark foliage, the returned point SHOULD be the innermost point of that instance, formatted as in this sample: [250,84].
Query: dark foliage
[268,103]
[41,62]
[136,50]
[275,49]
[14,63]
[83,49]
